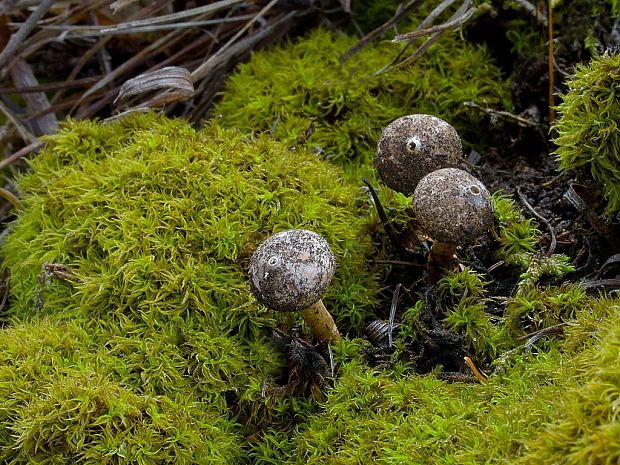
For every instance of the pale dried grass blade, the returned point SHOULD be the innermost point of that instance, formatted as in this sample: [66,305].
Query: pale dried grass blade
[37,102]
[120,5]
[207,9]
[176,80]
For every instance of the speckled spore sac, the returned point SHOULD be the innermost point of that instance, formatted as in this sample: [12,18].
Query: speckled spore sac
[291,270]
[453,206]
[412,146]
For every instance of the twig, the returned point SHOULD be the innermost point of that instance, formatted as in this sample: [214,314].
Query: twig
[480,376]
[23,131]
[19,154]
[371,36]
[394,305]
[532,338]
[51,87]
[538,14]
[551,65]
[400,263]
[18,37]
[553,243]
[223,55]
[524,122]
[212,8]
[37,102]
[458,21]
[81,32]
[387,226]
[395,64]
[612,283]
[8,195]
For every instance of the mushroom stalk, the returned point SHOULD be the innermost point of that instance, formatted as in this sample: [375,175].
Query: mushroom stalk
[320,322]
[440,257]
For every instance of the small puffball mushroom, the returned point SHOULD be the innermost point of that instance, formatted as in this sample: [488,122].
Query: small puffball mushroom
[453,208]
[412,146]
[290,271]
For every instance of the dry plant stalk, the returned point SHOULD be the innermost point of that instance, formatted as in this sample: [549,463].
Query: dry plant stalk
[97,54]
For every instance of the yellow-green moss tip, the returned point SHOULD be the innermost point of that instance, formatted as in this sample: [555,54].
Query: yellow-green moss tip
[588,136]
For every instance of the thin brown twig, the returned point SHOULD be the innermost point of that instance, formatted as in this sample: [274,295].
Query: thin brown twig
[18,37]
[51,87]
[551,63]
[553,244]
[23,76]
[22,130]
[432,16]
[373,35]
[12,198]
[452,23]
[396,64]
[531,339]
[208,9]
[20,154]
[523,122]
[81,32]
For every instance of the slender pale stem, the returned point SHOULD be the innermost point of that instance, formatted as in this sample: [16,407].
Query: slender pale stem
[439,258]
[321,323]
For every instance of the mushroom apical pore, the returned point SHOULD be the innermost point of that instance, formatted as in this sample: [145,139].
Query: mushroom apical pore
[290,271]
[453,208]
[412,146]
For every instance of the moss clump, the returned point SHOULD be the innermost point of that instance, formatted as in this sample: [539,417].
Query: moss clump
[133,244]
[64,402]
[588,137]
[584,427]
[347,106]
[157,218]
[385,417]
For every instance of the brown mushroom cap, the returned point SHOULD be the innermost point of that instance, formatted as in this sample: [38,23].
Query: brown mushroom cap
[412,146]
[291,270]
[453,206]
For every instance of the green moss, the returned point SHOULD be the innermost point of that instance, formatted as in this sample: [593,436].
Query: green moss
[63,403]
[149,226]
[381,417]
[584,427]
[155,219]
[347,106]
[515,233]
[587,128]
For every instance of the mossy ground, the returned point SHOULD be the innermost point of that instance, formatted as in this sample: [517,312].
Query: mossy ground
[132,336]
[587,129]
[148,347]
[152,225]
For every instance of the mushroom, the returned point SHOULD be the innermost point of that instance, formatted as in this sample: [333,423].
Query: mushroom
[412,146]
[453,208]
[290,271]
